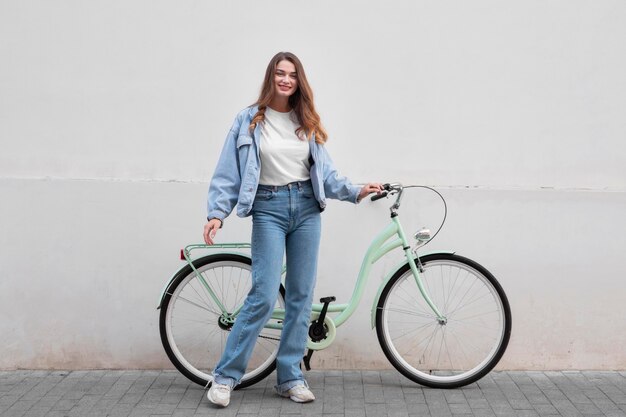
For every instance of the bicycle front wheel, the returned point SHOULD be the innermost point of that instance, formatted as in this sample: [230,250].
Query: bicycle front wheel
[194,328]
[458,349]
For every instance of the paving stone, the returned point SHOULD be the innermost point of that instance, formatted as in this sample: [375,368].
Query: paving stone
[354,403]
[38,411]
[9,400]
[373,393]
[375,410]
[546,409]
[65,404]
[440,411]
[455,397]
[85,404]
[333,380]
[526,413]
[391,393]
[413,399]
[418,409]
[55,413]
[484,413]
[566,408]
[478,403]
[184,413]
[19,408]
[588,409]
[339,393]
[249,408]
[268,412]
[456,408]
[356,392]
[606,406]
[371,377]
[354,412]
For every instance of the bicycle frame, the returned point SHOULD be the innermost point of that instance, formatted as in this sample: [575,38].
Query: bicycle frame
[380,246]
[388,239]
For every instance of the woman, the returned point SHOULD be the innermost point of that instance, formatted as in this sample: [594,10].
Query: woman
[274,167]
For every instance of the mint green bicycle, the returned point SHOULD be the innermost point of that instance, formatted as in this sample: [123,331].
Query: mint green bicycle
[442,320]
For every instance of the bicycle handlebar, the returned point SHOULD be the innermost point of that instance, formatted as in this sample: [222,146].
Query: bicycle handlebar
[387,187]
[379,196]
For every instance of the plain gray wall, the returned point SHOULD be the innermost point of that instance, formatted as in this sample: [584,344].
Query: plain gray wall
[112,115]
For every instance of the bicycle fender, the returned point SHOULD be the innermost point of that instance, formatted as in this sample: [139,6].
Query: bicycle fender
[391,274]
[173,277]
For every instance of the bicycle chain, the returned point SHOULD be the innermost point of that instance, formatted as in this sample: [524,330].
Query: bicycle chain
[270,338]
[267,337]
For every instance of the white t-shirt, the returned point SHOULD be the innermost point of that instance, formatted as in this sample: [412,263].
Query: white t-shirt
[284,156]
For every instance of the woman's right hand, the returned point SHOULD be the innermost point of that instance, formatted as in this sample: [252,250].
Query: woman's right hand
[210,229]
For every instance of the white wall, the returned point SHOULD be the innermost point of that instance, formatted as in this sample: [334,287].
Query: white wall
[112,115]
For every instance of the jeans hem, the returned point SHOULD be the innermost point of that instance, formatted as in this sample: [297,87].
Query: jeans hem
[286,386]
[224,380]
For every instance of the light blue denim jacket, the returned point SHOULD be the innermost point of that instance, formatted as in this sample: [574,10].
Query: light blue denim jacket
[236,176]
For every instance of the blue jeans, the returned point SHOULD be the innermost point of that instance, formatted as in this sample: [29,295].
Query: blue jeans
[285,220]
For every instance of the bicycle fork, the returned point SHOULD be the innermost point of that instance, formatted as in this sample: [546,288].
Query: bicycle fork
[417,270]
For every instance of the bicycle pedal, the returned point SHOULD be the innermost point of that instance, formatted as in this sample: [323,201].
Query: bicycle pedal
[325,301]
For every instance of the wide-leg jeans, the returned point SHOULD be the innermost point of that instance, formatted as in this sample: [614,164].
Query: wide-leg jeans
[285,221]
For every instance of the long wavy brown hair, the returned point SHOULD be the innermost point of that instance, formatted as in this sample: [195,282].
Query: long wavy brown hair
[301,101]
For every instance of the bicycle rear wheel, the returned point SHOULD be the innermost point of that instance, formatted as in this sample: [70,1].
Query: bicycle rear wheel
[446,353]
[192,333]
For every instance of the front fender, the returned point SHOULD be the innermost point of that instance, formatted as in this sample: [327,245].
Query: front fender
[390,275]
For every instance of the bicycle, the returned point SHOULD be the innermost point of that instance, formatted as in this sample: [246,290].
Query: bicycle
[441,319]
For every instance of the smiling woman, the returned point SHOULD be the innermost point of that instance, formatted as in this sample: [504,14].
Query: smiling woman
[274,167]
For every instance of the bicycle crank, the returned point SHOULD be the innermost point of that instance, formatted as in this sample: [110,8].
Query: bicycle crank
[322,332]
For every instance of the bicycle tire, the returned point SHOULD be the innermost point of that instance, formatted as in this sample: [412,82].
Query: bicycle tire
[188,322]
[438,353]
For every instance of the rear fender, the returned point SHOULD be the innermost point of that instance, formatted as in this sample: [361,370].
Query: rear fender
[184,271]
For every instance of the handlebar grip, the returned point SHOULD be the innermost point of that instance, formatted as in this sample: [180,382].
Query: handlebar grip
[379,196]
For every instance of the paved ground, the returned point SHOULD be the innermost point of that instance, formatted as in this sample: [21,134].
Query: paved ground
[339,393]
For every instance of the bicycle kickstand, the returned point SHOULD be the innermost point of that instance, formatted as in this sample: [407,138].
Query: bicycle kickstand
[317,330]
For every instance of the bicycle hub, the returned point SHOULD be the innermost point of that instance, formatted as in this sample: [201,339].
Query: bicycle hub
[225,323]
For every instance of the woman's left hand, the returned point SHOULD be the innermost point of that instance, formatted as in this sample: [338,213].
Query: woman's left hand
[371,187]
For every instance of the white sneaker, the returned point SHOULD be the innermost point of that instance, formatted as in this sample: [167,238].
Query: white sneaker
[219,394]
[299,394]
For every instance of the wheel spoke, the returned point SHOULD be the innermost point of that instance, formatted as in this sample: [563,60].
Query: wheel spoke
[409,312]
[181,298]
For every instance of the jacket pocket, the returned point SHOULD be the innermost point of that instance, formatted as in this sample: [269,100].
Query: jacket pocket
[243,150]
[243,140]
